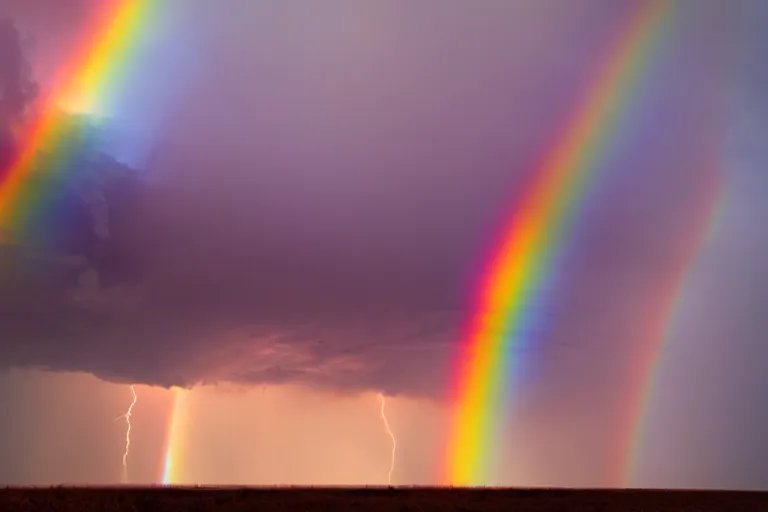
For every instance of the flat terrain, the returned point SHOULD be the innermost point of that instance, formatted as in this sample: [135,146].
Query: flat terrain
[159,499]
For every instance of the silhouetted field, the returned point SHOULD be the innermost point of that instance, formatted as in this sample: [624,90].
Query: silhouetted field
[377,499]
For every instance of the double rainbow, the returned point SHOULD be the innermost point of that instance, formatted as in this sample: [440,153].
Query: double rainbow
[524,261]
[526,255]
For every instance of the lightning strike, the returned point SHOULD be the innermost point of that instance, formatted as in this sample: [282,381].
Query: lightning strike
[391,436]
[127,417]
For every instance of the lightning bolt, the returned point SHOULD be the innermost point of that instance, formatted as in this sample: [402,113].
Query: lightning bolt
[391,436]
[127,417]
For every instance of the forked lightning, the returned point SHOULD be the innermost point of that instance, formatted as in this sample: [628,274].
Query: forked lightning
[391,436]
[127,417]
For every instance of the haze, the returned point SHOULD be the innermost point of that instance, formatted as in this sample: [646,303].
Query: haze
[322,183]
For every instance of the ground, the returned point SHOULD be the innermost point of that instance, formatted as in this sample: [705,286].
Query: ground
[161,499]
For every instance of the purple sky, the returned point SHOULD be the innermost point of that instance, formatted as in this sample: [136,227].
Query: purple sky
[323,195]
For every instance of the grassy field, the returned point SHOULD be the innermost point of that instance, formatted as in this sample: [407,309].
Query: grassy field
[159,499]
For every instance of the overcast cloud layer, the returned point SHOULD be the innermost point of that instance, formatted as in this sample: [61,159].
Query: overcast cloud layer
[323,199]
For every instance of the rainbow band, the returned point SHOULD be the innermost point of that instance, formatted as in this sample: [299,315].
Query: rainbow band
[524,259]
[173,440]
[661,321]
[86,85]
[703,222]
[102,69]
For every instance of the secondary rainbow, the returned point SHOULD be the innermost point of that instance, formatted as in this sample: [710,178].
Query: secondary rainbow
[86,85]
[661,322]
[525,257]
[704,222]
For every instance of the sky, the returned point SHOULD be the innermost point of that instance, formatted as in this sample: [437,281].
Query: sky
[321,197]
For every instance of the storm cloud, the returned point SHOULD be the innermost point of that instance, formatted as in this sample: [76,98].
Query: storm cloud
[319,207]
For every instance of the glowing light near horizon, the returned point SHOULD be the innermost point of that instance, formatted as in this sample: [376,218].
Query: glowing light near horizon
[174,441]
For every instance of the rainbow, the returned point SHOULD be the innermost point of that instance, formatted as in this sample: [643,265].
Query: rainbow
[173,440]
[661,322]
[57,139]
[524,261]
[59,136]
[704,221]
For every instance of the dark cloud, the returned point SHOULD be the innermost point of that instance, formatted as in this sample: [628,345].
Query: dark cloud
[18,88]
[319,209]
